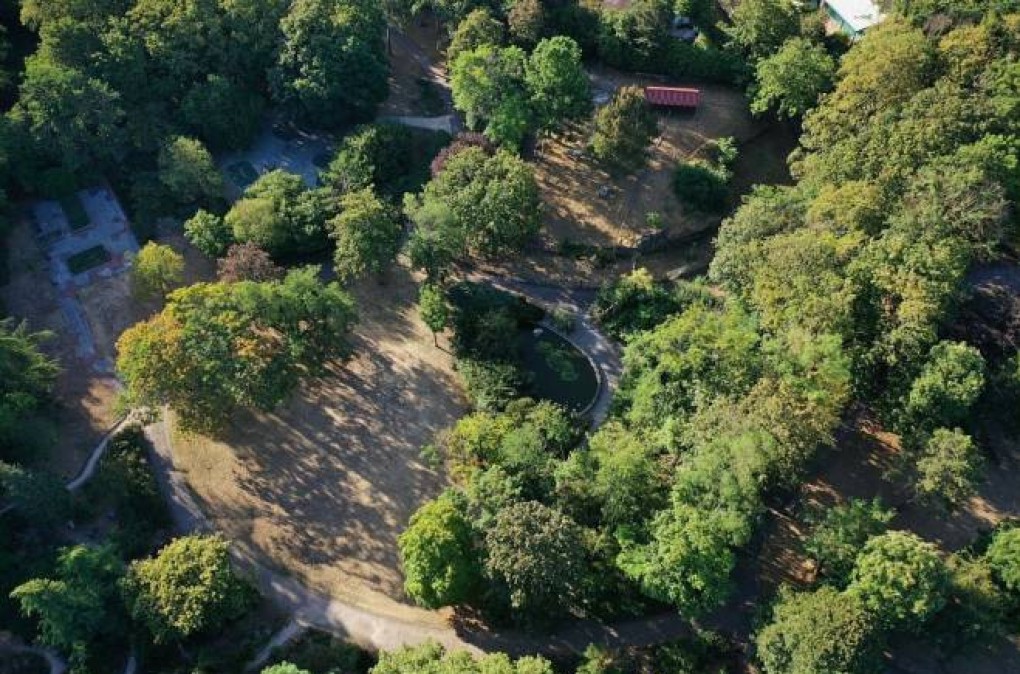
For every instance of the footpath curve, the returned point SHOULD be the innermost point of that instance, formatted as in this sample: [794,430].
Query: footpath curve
[384,632]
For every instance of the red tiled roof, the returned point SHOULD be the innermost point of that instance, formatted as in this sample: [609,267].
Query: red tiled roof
[673,96]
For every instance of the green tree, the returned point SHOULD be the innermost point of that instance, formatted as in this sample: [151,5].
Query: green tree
[760,27]
[284,668]
[948,467]
[526,21]
[948,385]
[840,534]
[189,587]
[72,120]
[209,233]
[538,555]
[188,174]
[623,130]
[156,270]
[791,80]
[434,310]
[557,83]
[488,85]
[219,346]
[478,28]
[27,376]
[367,234]
[687,563]
[1003,556]
[431,657]
[820,631]
[900,579]
[225,114]
[332,64]
[478,204]
[628,481]
[280,215]
[39,498]
[439,554]
[80,610]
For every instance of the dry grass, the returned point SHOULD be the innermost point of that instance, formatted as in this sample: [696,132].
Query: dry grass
[323,486]
[570,180]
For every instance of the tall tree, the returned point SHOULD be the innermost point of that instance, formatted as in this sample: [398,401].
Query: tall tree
[557,83]
[189,587]
[219,346]
[367,234]
[332,65]
[791,80]
[623,130]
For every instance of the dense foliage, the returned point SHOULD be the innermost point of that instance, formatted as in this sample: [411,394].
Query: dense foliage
[219,346]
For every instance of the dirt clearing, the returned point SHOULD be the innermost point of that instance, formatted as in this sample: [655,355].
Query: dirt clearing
[323,486]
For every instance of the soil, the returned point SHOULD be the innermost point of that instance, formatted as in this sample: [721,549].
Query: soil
[85,400]
[410,62]
[323,486]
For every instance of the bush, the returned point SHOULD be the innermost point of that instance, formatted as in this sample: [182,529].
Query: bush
[323,653]
[637,302]
[700,186]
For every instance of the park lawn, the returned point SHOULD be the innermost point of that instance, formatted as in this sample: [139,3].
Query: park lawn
[322,486]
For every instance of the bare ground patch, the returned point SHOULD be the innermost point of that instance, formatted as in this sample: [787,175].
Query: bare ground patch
[323,486]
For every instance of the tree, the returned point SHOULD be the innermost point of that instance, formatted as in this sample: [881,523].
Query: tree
[189,587]
[247,262]
[538,555]
[900,579]
[435,313]
[284,668]
[73,120]
[280,215]
[27,376]
[332,64]
[219,346]
[792,79]
[628,482]
[1003,556]
[948,467]
[623,129]
[187,172]
[526,20]
[156,270]
[478,204]
[431,657]
[439,554]
[688,561]
[760,27]
[209,233]
[39,498]
[224,114]
[80,609]
[478,28]
[840,534]
[948,385]
[367,234]
[488,85]
[819,631]
[557,83]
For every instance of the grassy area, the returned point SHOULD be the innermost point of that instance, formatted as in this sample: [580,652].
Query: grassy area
[88,259]
[77,218]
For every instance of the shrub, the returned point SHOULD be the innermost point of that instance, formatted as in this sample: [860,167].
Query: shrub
[700,186]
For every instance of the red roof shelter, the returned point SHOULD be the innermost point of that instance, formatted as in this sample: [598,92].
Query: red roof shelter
[674,97]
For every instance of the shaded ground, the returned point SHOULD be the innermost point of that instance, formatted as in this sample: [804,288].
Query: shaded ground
[418,79]
[276,147]
[84,397]
[323,486]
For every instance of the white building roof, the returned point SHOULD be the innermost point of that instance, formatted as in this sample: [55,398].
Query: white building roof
[859,14]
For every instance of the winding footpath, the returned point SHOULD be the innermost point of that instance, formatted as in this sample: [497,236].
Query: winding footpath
[381,631]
